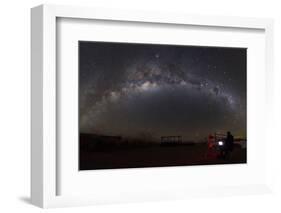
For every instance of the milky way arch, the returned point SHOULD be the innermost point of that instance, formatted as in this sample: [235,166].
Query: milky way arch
[137,89]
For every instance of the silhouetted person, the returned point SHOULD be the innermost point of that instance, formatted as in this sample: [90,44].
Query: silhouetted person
[229,144]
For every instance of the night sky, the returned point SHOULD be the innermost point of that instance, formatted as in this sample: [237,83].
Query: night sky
[138,90]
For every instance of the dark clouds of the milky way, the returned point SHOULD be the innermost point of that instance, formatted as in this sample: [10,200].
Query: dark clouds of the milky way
[133,90]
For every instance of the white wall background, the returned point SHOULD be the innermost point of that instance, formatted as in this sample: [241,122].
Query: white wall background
[15,104]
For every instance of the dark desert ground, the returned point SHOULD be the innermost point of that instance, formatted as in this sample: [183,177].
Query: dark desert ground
[114,156]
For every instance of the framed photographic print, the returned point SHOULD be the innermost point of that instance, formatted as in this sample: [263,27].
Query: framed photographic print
[148,105]
[134,105]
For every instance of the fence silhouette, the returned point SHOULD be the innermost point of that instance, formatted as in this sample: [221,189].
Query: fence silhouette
[171,140]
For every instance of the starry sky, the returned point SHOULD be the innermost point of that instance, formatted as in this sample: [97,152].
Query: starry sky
[149,90]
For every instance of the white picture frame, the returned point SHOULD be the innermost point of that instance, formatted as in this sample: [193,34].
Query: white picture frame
[44,150]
